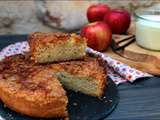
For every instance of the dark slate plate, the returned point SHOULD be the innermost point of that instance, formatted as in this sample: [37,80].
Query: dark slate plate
[80,107]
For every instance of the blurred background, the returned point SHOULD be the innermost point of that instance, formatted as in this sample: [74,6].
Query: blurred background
[22,17]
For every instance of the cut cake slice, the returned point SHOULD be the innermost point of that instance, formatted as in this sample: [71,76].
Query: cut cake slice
[55,47]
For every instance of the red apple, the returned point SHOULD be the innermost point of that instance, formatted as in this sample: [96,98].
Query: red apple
[118,20]
[98,35]
[96,12]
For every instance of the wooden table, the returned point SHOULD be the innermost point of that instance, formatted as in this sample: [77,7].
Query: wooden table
[140,100]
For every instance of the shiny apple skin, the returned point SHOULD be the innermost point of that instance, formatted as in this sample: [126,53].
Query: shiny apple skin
[96,12]
[119,21]
[98,35]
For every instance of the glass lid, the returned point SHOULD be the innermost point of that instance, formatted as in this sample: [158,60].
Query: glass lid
[150,14]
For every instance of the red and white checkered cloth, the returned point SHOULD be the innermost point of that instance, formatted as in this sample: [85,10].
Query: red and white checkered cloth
[117,71]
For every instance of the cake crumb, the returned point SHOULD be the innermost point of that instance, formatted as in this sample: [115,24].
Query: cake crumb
[4,105]
[75,104]
[110,100]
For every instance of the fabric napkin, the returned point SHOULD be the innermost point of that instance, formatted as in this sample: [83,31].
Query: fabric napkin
[117,71]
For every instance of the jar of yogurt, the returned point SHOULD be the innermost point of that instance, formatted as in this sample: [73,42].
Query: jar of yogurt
[148,28]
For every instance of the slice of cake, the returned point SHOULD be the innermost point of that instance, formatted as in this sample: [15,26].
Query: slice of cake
[53,47]
[31,89]
[87,76]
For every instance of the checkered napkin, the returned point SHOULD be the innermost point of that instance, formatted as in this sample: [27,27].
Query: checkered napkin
[117,71]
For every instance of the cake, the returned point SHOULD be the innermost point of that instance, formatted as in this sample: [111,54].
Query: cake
[56,47]
[31,89]
[87,76]
[37,90]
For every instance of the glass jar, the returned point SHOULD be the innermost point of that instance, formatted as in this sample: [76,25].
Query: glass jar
[148,28]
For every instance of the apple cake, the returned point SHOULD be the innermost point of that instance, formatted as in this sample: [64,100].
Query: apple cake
[31,89]
[35,89]
[55,47]
[87,76]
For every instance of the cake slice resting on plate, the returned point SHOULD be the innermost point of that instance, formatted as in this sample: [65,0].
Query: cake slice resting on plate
[55,47]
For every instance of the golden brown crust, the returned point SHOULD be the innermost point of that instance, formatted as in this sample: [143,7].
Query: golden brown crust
[87,67]
[103,82]
[31,89]
[38,39]
[45,38]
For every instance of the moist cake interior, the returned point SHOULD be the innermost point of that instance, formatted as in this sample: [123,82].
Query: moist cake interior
[86,85]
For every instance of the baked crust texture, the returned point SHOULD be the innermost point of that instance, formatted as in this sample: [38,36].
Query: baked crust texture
[55,47]
[31,89]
